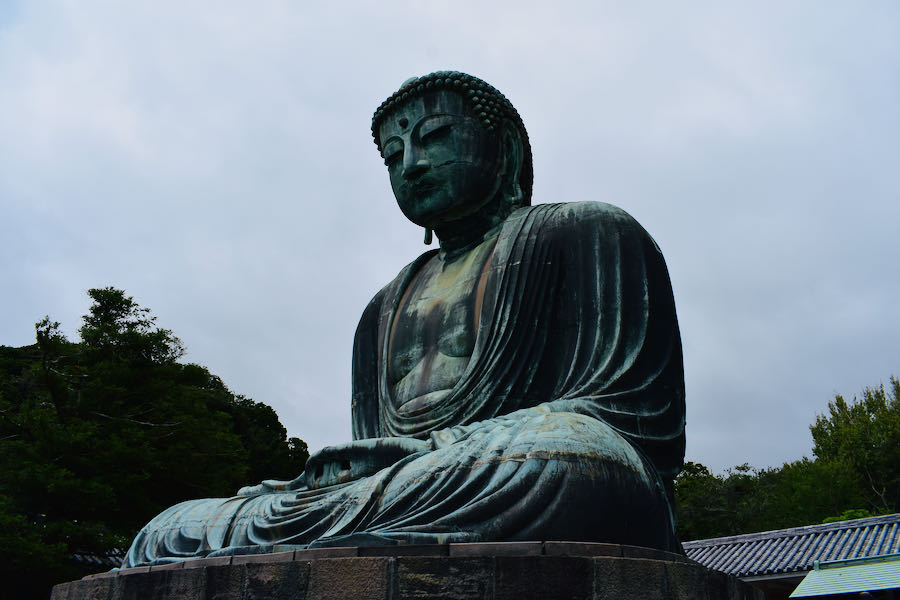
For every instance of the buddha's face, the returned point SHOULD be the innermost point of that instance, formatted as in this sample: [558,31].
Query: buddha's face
[443,164]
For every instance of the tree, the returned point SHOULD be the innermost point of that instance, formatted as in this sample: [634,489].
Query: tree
[855,473]
[702,512]
[99,436]
[746,500]
[865,435]
[117,326]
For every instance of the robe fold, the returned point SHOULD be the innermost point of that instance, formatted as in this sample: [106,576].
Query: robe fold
[568,422]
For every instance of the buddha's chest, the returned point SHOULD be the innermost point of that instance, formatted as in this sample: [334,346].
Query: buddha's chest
[435,326]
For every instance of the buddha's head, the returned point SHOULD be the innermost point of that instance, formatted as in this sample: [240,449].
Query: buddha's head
[454,147]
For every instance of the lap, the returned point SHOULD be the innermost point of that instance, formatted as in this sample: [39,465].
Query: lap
[543,475]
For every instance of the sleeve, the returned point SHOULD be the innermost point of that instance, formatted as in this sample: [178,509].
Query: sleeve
[364,401]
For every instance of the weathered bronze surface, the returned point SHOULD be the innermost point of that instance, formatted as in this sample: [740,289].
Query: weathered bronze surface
[522,382]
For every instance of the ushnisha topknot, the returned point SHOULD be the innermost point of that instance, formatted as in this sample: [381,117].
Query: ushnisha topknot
[490,107]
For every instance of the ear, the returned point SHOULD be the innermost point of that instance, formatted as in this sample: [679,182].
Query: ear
[513,155]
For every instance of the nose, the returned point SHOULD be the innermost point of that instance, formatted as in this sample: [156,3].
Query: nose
[413,162]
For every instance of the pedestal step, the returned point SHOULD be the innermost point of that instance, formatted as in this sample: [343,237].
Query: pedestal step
[495,571]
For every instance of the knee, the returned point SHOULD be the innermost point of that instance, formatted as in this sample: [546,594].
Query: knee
[575,437]
[611,492]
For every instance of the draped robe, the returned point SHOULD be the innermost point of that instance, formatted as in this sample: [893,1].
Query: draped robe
[567,423]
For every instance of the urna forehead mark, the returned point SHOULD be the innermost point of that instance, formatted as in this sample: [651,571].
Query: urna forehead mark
[414,110]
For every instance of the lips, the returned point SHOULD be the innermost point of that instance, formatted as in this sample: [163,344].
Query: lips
[422,185]
[424,188]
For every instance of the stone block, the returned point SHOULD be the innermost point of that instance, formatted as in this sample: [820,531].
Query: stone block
[335,552]
[85,589]
[497,549]
[513,571]
[721,585]
[60,591]
[581,549]
[651,553]
[740,590]
[224,582]
[687,581]
[106,588]
[541,577]
[137,585]
[357,578]
[101,575]
[272,557]
[718,585]
[183,585]
[215,561]
[445,578]
[281,580]
[179,584]
[406,550]
[168,566]
[630,579]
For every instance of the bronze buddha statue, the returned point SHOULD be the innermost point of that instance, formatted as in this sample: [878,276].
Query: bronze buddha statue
[522,382]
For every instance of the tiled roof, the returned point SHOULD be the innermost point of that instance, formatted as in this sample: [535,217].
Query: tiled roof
[111,559]
[795,549]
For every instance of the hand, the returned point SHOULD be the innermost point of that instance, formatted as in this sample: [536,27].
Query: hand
[271,486]
[357,459]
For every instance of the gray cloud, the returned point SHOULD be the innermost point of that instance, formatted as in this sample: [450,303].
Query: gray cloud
[217,165]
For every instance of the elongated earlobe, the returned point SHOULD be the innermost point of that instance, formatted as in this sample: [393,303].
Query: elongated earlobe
[515,195]
[428,236]
[512,147]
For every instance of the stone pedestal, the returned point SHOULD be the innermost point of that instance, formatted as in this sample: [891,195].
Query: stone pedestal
[514,570]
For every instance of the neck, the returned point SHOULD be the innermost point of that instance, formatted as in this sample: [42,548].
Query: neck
[459,236]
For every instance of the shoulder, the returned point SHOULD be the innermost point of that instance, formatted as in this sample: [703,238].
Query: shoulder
[567,219]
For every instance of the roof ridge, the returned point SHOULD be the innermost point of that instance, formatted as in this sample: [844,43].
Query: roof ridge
[794,531]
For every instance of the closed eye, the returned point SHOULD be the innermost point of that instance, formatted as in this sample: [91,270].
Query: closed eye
[392,152]
[390,159]
[436,132]
[435,126]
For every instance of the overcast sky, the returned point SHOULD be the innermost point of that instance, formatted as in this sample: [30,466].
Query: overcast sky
[214,160]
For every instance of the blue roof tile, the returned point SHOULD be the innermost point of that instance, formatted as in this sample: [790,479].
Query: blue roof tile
[795,549]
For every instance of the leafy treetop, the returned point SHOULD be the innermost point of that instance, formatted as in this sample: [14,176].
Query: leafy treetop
[99,436]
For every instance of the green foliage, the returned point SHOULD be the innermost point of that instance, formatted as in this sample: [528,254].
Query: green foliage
[847,515]
[865,435]
[856,473]
[116,327]
[745,500]
[99,436]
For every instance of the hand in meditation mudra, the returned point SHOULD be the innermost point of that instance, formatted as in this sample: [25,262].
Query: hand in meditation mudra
[522,382]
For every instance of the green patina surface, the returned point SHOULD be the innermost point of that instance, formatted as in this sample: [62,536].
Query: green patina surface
[523,381]
[848,576]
